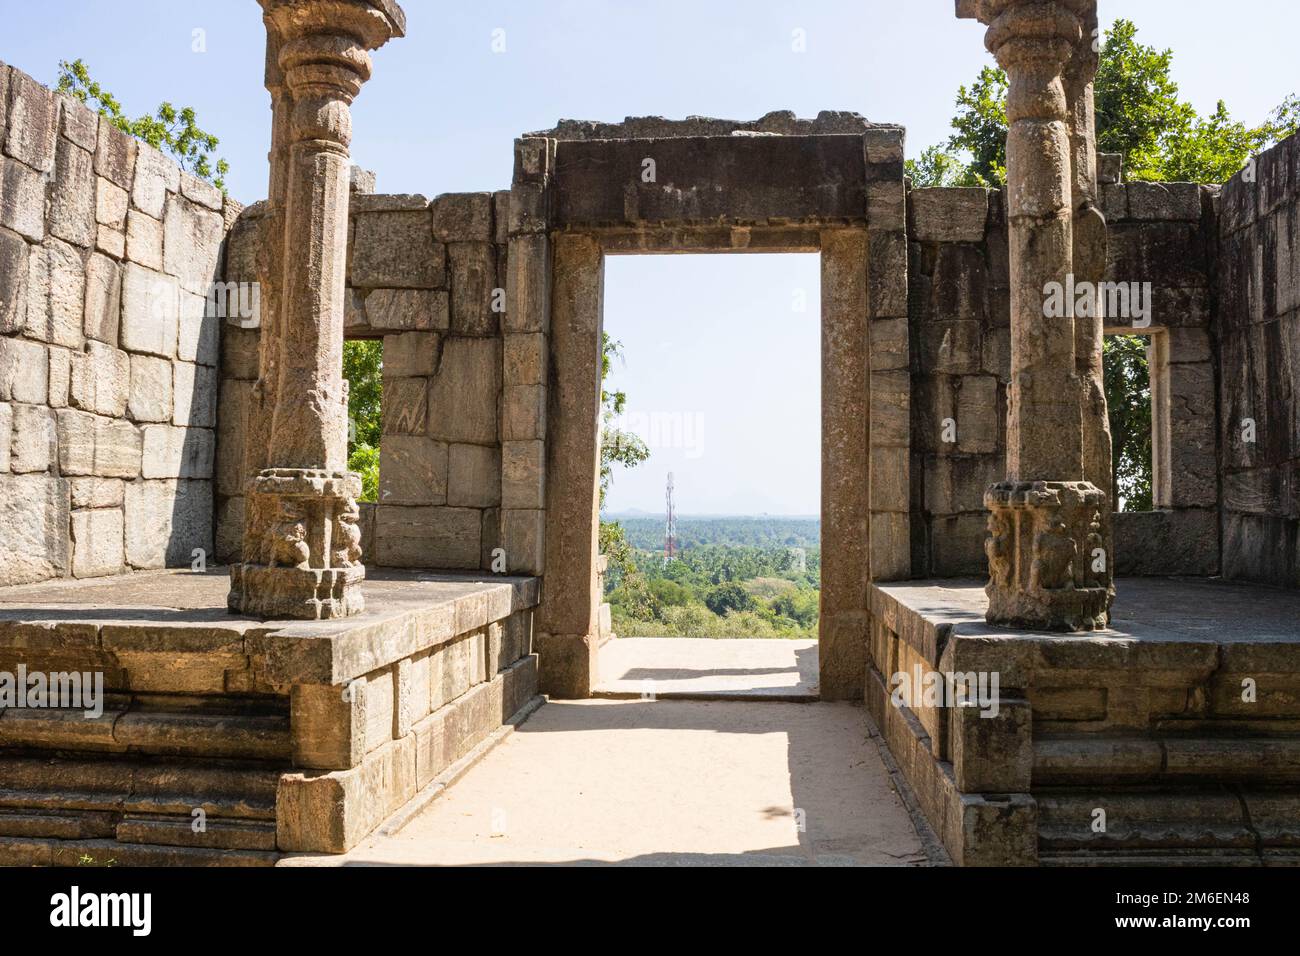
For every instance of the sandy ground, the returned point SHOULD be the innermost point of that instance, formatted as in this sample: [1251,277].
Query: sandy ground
[668,782]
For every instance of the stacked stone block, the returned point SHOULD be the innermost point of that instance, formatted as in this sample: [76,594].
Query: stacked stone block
[364,749]
[960,320]
[426,278]
[107,355]
[1163,233]
[525,369]
[1148,724]
[889,357]
[961,352]
[1257,325]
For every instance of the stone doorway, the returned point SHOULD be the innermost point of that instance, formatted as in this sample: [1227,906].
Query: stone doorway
[714,368]
[832,186]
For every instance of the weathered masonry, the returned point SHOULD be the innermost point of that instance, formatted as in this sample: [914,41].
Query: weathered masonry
[171,395]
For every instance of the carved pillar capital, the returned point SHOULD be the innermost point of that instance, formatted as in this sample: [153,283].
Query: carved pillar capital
[323,57]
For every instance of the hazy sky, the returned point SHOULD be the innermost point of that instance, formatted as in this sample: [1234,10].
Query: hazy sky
[716,337]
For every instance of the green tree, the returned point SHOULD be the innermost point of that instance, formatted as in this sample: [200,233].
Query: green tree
[939,168]
[980,126]
[363,367]
[729,597]
[173,130]
[1285,120]
[1127,376]
[627,450]
[1139,115]
[617,447]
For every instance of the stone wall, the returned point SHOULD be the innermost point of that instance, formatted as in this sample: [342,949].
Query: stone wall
[1258,329]
[960,332]
[107,358]
[1163,233]
[423,276]
[960,319]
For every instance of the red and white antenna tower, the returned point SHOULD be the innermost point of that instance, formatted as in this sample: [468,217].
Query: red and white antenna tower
[670,532]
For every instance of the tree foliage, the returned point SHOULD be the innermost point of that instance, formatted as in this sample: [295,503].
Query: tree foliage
[1128,401]
[363,368]
[723,599]
[1140,115]
[980,126]
[173,130]
[725,588]
[617,447]
[939,168]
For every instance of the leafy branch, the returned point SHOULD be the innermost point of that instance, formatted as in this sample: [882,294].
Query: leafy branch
[173,130]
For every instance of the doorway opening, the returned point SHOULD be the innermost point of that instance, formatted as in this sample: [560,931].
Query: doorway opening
[711,453]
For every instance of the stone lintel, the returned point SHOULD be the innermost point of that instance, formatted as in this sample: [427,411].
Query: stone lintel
[714,180]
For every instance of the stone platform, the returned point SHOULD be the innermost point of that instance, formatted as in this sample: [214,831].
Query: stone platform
[230,740]
[1172,737]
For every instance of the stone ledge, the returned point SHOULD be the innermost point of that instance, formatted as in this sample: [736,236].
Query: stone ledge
[408,613]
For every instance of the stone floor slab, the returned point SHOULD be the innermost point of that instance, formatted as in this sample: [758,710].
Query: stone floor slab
[708,669]
[1165,609]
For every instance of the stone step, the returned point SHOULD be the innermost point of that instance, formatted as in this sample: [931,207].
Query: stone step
[114,785]
[1081,759]
[149,730]
[1150,820]
[24,851]
[215,833]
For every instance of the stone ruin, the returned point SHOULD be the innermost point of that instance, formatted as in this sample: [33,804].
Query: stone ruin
[339,661]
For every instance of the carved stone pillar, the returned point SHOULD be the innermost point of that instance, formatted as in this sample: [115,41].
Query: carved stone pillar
[1090,266]
[1047,555]
[302,553]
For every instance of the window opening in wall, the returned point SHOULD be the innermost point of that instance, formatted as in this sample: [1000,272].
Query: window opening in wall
[363,366]
[1128,381]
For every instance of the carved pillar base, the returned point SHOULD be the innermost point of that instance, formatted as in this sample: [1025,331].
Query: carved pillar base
[302,547]
[1048,564]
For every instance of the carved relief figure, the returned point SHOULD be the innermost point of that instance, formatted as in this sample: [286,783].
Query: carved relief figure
[1054,554]
[999,546]
[1095,576]
[347,535]
[289,547]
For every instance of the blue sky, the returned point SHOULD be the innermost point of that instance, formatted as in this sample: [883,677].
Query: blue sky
[443,108]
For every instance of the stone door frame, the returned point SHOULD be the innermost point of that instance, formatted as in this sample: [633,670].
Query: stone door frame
[575,201]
